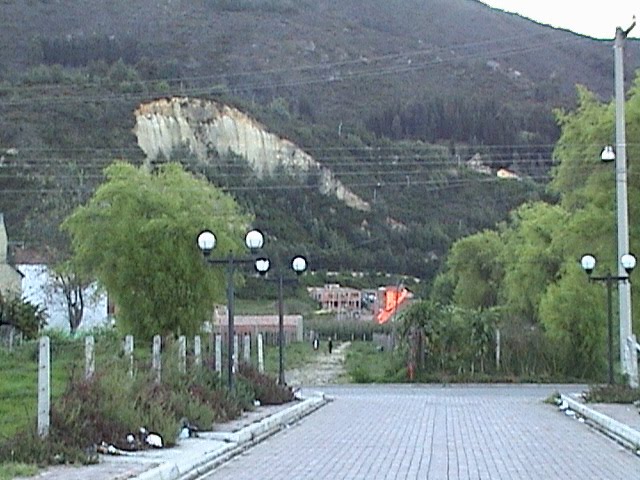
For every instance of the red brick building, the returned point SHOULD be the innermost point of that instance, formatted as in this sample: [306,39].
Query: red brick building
[252,325]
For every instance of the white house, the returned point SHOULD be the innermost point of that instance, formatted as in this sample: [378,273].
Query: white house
[39,287]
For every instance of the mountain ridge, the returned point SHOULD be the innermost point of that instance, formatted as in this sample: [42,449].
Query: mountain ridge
[391,96]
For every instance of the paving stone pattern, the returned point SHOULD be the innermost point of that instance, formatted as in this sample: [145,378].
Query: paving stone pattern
[433,432]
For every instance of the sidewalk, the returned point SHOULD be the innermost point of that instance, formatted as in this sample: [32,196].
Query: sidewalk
[195,456]
[618,421]
[192,456]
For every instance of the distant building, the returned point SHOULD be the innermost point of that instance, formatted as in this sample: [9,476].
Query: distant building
[504,173]
[10,276]
[335,298]
[39,287]
[252,325]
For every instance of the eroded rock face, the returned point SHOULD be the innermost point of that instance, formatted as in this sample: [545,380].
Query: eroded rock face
[166,126]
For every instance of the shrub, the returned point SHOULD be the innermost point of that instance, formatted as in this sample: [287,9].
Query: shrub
[612,394]
[265,387]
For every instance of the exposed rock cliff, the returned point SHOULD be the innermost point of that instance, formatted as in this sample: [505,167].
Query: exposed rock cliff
[167,125]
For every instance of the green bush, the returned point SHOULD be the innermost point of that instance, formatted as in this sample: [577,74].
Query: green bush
[360,374]
[264,387]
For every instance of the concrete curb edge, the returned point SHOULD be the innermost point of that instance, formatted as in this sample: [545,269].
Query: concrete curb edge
[607,425]
[238,442]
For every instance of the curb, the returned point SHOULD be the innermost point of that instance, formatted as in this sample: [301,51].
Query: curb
[237,443]
[617,430]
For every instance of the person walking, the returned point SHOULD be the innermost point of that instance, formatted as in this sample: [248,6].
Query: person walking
[330,345]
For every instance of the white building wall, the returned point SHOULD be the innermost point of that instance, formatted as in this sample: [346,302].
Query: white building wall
[38,287]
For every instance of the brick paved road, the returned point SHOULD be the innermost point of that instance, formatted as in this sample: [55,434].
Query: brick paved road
[431,432]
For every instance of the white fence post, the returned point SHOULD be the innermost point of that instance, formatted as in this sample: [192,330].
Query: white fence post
[156,360]
[498,344]
[219,354]
[633,362]
[128,352]
[182,353]
[12,334]
[89,356]
[197,351]
[260,353]
[44,386]
[235,354]
[246,344]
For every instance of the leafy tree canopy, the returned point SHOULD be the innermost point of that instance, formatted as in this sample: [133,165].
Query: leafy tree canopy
[24,316]
[137,236]
[531,257]
[534,261]
[478,269]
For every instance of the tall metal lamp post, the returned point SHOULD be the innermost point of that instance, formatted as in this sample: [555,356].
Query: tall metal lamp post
[628,263]
[629,366]
[254,240]
[298,265]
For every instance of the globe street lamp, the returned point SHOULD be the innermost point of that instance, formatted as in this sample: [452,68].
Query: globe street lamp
[254,240]
[298,265]
[628,263]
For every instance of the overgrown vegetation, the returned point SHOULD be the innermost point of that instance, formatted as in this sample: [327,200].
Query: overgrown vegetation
[612,394]
[112,404]
[366,362]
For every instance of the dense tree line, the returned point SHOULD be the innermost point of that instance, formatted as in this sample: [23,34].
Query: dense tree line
[80,50]
[527,272]
[468,120]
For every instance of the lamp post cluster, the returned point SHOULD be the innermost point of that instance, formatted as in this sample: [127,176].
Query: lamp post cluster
[254,241]
[628,263]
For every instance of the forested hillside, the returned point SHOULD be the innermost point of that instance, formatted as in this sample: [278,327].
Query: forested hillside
[394,96]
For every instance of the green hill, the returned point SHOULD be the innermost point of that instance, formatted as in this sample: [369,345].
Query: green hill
[394,96]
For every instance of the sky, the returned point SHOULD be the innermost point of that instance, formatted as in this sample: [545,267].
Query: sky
[594,18]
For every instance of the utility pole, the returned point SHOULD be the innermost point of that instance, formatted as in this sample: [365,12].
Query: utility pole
[629,367]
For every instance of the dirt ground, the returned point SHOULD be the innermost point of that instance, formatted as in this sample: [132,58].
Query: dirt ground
[327,368]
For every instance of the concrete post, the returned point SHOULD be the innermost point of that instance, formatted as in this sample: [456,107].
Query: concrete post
[44,386]
[234,361]
[624,289]
[260,353]
[498,343]
[128,352]
[197,351]
[246,348]
[182,354]
[219,354]
[156,360]
[89,356]
[633,356]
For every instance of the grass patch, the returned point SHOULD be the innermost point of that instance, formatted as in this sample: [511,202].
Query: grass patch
[612,394]
[366,363]
[11,470]
[296,355]
[19,382]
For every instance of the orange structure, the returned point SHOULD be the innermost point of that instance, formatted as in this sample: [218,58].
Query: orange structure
[393,298]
